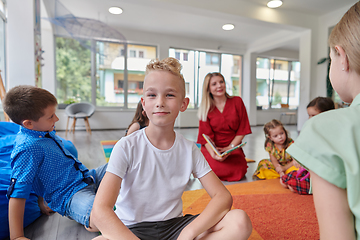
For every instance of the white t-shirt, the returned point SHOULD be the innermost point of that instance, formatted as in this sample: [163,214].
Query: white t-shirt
[153,180]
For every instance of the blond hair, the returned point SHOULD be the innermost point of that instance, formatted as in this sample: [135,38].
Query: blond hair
[207,99]
[346,34]
[169,64]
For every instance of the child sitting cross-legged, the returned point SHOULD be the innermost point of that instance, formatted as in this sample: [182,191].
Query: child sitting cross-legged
[280,162]
[149,170]
[42,164]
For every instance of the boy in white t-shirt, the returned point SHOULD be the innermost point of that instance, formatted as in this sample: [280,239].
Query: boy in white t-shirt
[149,170]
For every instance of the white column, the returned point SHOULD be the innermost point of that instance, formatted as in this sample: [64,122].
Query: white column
[305,77]
[249,86]
[48,46]
[20,42]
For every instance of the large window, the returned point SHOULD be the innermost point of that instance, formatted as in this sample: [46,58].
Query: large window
[196,64]
[118,72]
[277,83]
[73,71]
[111,77]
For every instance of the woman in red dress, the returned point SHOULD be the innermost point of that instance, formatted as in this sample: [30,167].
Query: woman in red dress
[224,119]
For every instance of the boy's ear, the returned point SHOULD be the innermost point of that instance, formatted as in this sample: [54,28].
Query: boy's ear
[184,104]
[143,103]
[27,124]
[343,57]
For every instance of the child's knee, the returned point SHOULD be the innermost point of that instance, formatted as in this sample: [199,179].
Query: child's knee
[99,238]
[241,220]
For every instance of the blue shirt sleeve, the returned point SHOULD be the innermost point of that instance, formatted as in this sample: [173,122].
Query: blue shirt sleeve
[25,165]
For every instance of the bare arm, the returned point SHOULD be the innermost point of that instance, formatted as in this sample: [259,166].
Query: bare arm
[289,165]
[16,218]
[103,215]
[236,141]
[133,128]
[44,207]
[219,205]
[335,218]
[277,165]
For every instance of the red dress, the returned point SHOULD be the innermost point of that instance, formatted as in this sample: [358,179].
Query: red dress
[222,128]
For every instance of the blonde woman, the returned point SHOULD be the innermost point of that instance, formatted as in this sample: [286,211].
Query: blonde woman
[224,119]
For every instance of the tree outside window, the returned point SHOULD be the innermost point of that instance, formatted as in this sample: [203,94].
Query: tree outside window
[114,87]
[73,71]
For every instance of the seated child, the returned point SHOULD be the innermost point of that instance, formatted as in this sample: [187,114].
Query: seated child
[319,105]
[329,144]
[139,121]
[40,162]
[299,181]
[8,133]
[149,170]
[277,141]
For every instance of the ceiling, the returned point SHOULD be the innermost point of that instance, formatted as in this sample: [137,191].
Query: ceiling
[202,19]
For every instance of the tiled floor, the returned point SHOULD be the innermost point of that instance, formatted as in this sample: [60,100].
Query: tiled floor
[91,154]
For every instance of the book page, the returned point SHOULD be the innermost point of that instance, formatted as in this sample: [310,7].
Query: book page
[213,146]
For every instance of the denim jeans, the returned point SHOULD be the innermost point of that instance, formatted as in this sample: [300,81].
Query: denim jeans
[80,204]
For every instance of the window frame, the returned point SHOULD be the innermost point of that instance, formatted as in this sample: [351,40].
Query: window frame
[272,80]
[94,70]
[197,93]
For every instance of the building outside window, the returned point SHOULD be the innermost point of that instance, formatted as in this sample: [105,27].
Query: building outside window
[133,53]
[113,85]
[277,83]
[212,58]
[177,55]
[195,68]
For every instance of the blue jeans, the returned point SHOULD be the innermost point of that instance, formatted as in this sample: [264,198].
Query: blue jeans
[80,204]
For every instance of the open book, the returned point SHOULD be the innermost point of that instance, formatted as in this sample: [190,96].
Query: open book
[207,138]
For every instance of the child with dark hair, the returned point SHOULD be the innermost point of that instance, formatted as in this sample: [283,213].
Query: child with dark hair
[319,105]
[299,181]
[42,164]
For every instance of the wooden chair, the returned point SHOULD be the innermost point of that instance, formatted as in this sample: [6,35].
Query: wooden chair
[79,110]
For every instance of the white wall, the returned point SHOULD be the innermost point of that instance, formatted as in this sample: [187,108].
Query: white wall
[48,46]
[325,23]
[264,116]
[20,43]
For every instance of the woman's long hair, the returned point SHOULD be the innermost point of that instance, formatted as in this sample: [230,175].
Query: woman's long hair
[207,99]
